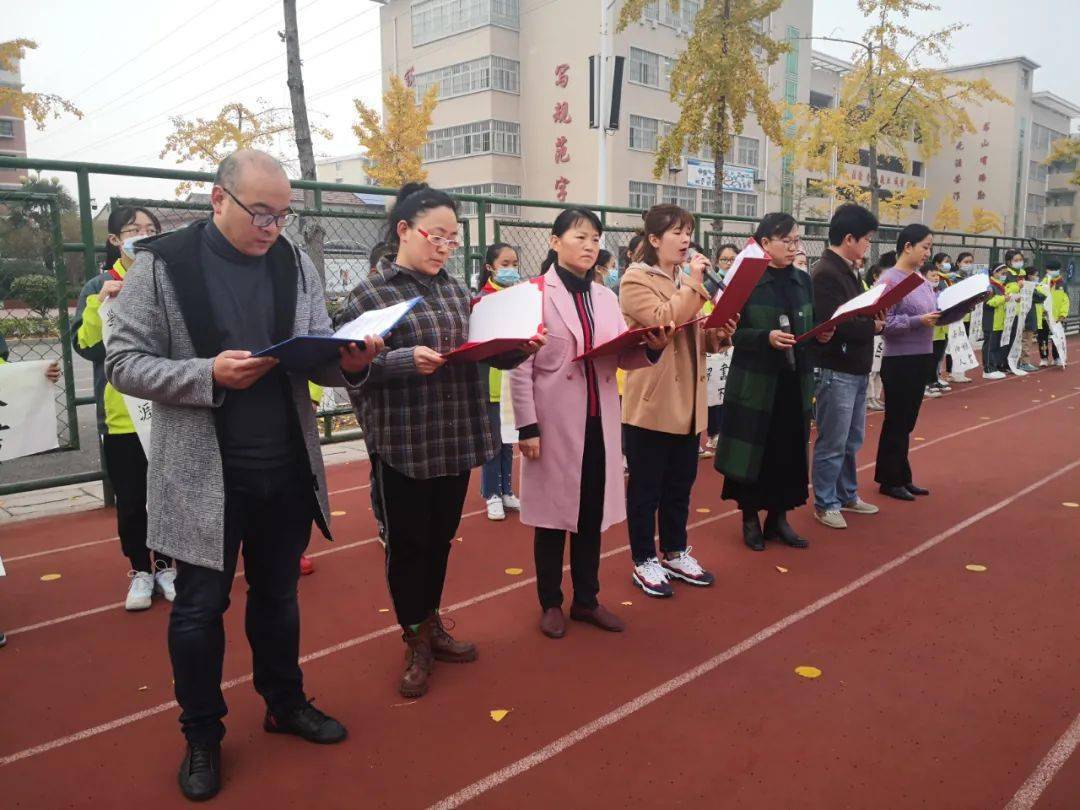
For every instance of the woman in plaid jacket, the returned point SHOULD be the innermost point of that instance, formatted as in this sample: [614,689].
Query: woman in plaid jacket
[770,385]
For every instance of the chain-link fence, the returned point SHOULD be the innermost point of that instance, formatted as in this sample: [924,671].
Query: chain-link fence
[37,302]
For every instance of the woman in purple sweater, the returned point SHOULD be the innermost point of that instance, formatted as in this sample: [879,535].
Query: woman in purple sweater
[906,363]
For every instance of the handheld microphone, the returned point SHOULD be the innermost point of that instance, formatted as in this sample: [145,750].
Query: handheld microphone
[789,352]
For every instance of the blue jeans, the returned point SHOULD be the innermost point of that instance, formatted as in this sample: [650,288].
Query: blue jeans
[495,479]
[841,426]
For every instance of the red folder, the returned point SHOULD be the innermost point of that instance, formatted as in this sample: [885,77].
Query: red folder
[495,343]
[629,339]
[890,298]
[473,352]
[735,295]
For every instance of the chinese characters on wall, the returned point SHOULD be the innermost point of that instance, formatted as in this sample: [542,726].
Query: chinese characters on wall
[561,116]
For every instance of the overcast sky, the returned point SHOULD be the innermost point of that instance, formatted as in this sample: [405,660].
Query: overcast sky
[130,67]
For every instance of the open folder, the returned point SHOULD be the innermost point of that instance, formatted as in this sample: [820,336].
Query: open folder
[502,321]
[630,339]
[311,351]
[961,298]
[876,299]
[739,283]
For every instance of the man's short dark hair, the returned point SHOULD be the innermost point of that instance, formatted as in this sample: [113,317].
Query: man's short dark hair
[853,219]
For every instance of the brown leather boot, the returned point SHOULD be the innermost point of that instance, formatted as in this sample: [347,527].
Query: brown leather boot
[445,648]
[418,660]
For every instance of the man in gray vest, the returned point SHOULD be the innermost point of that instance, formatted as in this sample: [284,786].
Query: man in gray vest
[234,456]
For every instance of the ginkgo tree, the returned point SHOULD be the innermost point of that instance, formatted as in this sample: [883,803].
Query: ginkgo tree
[393,143]
[948,216]
[719,80]
[1066,151]
[983,220]
[890,97]
[26,104]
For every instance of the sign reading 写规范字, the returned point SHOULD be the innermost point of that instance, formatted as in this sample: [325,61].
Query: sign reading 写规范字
[702,174]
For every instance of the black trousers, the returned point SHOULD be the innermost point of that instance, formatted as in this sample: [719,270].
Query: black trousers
[548,544]
[126,465]
[991,350]
[420,517]
[1046,345]
[662,467]
[269,514]
[939,353]
[904,379]
[1003,351]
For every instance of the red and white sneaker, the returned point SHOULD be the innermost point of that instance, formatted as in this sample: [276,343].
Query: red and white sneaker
[306,566]
[684,567]
[652,578]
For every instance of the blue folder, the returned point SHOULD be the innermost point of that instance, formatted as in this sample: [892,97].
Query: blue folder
[307,352]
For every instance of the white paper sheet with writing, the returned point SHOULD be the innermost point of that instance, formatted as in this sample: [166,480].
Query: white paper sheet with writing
[716,374]
[140,410]
[374,322]
[1057,330]
[752,250]
[863,299]
[879,352]
[976,336]
[27,410]
[959,349]
[961,291]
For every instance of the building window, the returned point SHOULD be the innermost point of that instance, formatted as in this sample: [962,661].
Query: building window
[644,133]
[1037,171]
[820,101]
[642,195]
[679,195]
[435,19]
[916,168]
[477,138]
[662,12]
[1036,206]
[468,209]
[650,69]
[747,152]
[474,76]
[735,204]
[7,128]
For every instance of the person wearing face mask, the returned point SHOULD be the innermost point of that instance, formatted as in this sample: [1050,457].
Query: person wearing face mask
[965,264]
[993,316]
[1052,289]
[125,461]
[496,484]
[665,407]
[939,277]
[606,270]
[1014,275]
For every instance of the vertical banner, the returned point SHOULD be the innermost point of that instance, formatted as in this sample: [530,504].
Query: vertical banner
[140,410]
[959,348]
[1010,321]
[506,412]
[27,410]
[1057,329]
[976,336]
[716,373]
[879,352]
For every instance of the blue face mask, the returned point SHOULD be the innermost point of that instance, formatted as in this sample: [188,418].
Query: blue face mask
[1053,273]
[612,278]
[129,245]
[507,276]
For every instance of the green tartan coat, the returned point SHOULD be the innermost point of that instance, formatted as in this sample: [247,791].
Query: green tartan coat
[752,377]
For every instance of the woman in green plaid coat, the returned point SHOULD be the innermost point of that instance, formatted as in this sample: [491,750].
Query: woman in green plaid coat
[767,405]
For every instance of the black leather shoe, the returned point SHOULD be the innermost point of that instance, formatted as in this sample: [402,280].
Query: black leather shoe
[200,772]
[914,490]
[900,493]
[307,722]
[751,533]
[778,527]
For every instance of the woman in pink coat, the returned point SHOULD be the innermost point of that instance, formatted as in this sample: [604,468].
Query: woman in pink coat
[569,422]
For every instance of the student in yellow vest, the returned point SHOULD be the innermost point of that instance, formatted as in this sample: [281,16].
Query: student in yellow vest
[125,461]
[965,266]
[1052,289]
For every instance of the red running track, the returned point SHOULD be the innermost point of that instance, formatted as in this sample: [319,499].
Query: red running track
[941,687]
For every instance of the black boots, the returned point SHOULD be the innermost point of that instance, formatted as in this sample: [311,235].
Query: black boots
[776,526]
[200,772]
[751,531]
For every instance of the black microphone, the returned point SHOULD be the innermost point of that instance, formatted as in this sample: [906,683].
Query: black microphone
[712,283]
[789,352]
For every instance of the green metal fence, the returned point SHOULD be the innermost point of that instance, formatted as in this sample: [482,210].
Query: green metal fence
[350,232]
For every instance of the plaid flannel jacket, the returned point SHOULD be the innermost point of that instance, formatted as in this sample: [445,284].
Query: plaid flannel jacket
[751,382]
[424,426]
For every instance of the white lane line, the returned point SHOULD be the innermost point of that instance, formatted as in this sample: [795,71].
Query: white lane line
[542,755]
[391,629]
[1032,790]
[864,467]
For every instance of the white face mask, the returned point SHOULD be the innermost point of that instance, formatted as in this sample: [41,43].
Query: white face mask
[1017,264]
[946,267]
[129,246]
[965,268]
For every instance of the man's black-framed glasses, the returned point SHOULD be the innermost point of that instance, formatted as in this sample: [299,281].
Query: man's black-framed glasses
[264,220]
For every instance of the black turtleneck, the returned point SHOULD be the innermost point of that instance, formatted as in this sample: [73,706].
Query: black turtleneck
[258,429]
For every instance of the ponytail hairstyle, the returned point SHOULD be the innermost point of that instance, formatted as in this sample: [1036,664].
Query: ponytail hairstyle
[564,222]
[659,220]
[490,258]
[118,220]
[412,200]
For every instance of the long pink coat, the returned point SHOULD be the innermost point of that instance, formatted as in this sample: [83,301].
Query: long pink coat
[549,389]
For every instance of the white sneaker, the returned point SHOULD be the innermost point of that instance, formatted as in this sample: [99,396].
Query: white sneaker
[943,383]
[651,577]
[860,507]
[165,581]
[874,405]
[1020,372]
[140,591]
[831,518]
[960,378]
[931,392]
[511,502]
[495,508]
[1043,363]
[993,375]
[683,566]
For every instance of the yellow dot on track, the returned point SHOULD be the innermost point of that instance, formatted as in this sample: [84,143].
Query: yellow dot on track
[920,439]
[628,604]
[781,569]
[703,511]
[808,672]
[498,714]
[515,572]
[338,513]
[384,610]
[50,577]
[978,569]
[1071,504]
